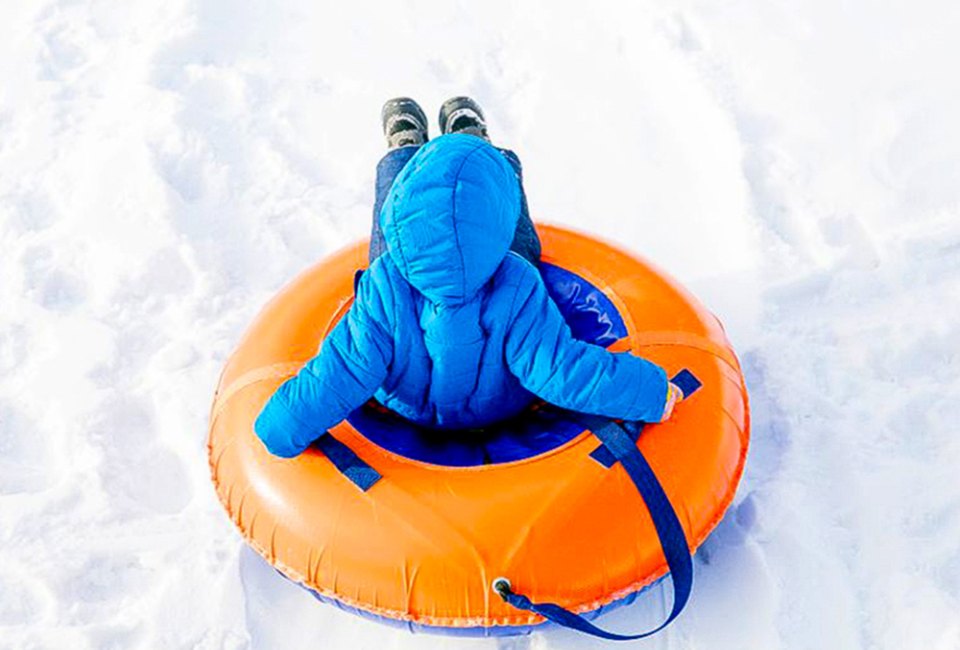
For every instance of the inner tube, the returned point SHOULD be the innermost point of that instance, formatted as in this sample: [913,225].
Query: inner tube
[411,527]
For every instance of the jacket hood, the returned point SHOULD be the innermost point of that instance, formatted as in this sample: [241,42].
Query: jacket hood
[450,216]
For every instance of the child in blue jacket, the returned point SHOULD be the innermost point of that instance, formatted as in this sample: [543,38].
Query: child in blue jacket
[452,326]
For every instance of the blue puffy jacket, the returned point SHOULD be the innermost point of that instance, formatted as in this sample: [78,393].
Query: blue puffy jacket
[449,329]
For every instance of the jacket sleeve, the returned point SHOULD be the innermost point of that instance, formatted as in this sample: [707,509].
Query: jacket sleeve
[352,364]
[572,374]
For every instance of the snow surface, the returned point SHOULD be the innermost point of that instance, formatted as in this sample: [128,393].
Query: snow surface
[166,166]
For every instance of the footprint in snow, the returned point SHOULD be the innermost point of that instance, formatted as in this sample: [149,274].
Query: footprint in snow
[29,211]
[22,600]
[137,472]
[95,590]
[128,634]
[24,446]
[62,48]
[123,425]
[49,282]
[154,479]
[14,345]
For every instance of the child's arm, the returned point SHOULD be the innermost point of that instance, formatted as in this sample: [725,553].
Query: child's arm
[542,353]
[351,366]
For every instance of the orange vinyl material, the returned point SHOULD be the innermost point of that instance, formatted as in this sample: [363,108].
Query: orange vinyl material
[425,542]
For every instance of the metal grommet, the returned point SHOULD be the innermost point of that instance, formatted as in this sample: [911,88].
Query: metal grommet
[502,587]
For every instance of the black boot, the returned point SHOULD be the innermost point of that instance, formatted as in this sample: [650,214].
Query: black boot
[404,122]
[463,115]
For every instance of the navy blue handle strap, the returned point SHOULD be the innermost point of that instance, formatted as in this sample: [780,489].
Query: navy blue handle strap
[347,462]
[685,380]
[623,447]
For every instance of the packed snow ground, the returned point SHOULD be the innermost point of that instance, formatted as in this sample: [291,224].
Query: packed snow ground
[166,166]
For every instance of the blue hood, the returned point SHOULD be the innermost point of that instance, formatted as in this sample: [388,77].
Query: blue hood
[450,217]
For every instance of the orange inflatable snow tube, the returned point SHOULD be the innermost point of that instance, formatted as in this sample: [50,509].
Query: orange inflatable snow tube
[421,545]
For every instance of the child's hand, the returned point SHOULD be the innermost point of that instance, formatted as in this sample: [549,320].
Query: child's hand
[674,395]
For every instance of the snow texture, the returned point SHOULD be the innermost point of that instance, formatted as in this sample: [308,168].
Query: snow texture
[166,166]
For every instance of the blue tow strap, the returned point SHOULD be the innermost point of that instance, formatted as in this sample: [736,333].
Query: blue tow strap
[347,462]
[685,380]
[622,446]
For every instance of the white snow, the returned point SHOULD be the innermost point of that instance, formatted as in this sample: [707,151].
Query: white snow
[166,166]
